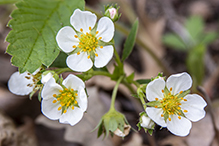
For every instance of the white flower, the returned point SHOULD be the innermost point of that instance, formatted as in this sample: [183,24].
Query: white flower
[146,122]
[67,102]
[23,84]
[172,107]
[87,44]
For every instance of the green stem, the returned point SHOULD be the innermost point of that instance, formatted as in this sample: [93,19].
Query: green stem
[61,70]
[143,102]
[112,106]
[117,57]
[102,73]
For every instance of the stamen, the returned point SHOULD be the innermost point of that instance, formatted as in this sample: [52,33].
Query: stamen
[76,94]
[181,92]
[65,111]
[72,89]
[162,115]
[179,117]
[78,53]
[76,102]
[54,95]
[66,89]
[156,99]
[72,107]
[169,119]
[185,111]
[90,28]
[76,36]
[101,47]
[155,106]
[169,93]
[97,32]
[54,101]
[74,46]
[171,89]
[178,108]
[100,38]
[185,99]
[162,91]
[59,108]
[27,77]
[88,57]
[96,54]
[60,91]
[81,30]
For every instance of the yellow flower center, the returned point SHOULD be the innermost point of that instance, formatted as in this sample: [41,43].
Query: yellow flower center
[67,99]
[171,104]
[88,43]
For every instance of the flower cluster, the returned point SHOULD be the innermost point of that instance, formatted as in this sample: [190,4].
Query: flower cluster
[87,43]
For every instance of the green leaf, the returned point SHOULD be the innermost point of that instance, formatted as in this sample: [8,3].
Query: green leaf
[143,81]
[8,1]
[174,42]
[195,63]
[195,26]
[210,37]
[130,41]
[34,27]
[60,61]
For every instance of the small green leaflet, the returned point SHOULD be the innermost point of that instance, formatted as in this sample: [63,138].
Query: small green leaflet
[34,27]
[130,41]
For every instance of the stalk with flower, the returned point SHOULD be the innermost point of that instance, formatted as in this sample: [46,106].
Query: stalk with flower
[88,48]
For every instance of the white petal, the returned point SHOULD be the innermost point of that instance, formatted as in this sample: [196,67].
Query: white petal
[45,78]
[72,116]
[179,127]
[179,82]
[79,63]
[73,82]
[50,88]
[66,40]
[104,56]
[17,84]
[50,109]
[83,19]
[155,115]
[154,89]
[195,106]
[82,100]
[105,27]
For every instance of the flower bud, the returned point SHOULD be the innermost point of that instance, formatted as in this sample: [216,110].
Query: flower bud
[146,122]
[112,12]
